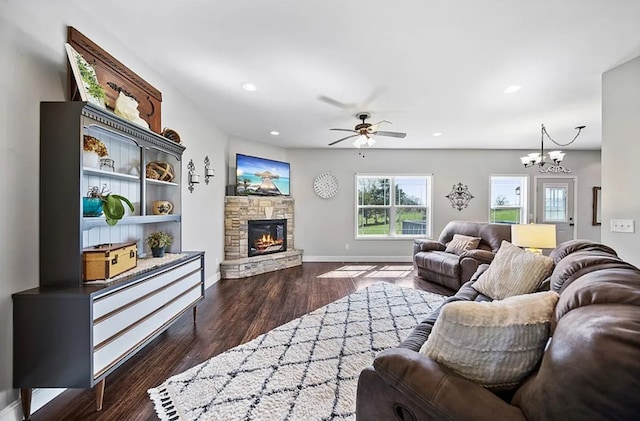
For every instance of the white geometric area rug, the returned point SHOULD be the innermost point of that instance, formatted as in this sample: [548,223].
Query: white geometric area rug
[306,369]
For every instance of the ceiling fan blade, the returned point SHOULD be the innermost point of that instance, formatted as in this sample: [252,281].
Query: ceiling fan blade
[336,103]
[390,134]
[374,126]
[377,92]
[344,138]
[344,130]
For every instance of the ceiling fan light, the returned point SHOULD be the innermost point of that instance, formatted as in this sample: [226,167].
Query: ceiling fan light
[370,142]
[362,140]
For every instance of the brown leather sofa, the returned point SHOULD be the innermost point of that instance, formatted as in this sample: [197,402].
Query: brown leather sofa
[452,270]
[589,371]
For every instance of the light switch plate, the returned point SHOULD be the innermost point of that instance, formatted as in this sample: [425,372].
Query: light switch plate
[623,225]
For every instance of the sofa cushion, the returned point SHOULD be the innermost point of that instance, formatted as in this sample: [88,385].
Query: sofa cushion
[461,243]
[513,272]
[495,344]
[439,262]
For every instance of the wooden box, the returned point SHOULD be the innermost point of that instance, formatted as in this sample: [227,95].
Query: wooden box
[105,261]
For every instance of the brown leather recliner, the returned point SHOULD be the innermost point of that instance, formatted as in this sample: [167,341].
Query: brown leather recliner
[452,270]
[589,371]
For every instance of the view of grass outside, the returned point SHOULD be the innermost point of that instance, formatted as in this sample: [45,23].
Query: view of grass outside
[392,206]
[508,199]
[378,223]
[373,221]
[505,215]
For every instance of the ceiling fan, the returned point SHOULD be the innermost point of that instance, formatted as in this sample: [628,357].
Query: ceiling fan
[364,132]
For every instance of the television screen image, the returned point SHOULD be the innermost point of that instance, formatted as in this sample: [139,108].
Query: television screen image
[261,176]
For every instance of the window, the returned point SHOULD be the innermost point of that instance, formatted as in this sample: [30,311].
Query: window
[393,206]
[509,199]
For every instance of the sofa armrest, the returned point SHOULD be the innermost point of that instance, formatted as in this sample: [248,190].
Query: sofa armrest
[482,256]
[427,245]
[438,390]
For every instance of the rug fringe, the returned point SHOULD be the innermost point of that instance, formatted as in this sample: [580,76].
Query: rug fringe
[163,403]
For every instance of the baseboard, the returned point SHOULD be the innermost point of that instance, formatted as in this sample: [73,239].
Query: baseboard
[208,283]
[352,259]
[39,398]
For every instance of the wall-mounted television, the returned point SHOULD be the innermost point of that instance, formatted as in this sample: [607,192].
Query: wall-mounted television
[261,176]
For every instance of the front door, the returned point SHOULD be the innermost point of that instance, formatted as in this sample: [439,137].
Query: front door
[554,205]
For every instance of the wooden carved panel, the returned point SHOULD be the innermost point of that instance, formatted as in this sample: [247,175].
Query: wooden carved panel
[114,77]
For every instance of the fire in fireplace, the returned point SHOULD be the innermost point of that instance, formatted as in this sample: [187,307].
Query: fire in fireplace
[267,236]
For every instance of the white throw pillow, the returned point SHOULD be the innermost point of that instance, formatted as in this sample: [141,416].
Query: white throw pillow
[513,271]
[461,243]
[495,344]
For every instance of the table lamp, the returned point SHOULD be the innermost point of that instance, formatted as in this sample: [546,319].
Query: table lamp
[534,237]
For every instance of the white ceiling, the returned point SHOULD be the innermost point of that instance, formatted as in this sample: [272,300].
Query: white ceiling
[428,66]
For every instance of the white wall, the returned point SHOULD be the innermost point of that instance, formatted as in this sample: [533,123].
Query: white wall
[324,226]
[620,153]
[33,69]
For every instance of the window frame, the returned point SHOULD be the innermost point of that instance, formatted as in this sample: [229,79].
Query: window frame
[391,235]
[524,197]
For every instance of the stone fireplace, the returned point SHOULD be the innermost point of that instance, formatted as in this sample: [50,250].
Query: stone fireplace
[273,216]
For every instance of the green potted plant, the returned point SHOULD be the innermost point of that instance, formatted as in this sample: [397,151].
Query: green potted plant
[100,200]
[159,241]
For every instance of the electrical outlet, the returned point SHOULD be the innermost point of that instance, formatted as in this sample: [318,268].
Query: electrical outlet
[346,246]
[623,225]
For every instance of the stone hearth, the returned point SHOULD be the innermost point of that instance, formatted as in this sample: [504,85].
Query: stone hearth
[238,210]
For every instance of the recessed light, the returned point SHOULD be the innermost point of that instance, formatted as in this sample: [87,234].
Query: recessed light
[274,133]
[249,87]
[436,134]
[512,88]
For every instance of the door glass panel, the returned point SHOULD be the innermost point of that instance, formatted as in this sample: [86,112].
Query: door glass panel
[555,203]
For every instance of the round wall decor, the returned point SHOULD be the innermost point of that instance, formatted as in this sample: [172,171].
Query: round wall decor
[326,185]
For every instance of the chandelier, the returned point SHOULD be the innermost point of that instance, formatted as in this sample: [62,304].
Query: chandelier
[555,157]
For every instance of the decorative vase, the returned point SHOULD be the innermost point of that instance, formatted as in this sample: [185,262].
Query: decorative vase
[161,207]
[158,251]
[90,159]
[91,206]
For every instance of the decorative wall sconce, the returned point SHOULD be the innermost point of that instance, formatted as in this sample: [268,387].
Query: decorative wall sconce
[208,171]
[193,177]
[459,196]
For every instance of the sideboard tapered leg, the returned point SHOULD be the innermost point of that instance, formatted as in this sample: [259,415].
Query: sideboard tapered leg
[100,394]
[25,398]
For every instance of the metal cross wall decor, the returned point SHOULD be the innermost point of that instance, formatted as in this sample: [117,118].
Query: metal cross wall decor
[459,196]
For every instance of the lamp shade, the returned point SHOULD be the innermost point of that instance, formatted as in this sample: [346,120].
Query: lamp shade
[541,236]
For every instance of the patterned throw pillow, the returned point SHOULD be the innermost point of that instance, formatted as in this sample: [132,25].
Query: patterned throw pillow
[495,344]
[513,271]
[461,243]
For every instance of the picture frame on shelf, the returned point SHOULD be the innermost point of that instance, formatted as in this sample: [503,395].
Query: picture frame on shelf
[85,78]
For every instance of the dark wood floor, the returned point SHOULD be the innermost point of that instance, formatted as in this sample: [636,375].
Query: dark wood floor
[233,312]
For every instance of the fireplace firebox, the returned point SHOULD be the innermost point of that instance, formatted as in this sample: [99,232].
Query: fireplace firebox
[267,236]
